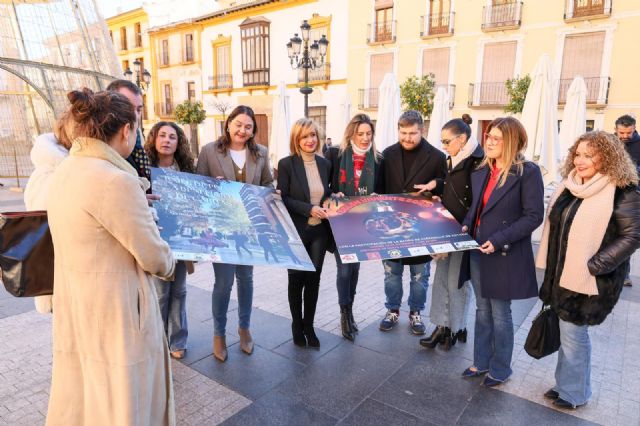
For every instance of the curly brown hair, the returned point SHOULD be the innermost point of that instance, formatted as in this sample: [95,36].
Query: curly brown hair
[615,162]
[183,155]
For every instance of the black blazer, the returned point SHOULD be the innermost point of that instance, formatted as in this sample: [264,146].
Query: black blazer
[430,164]
[294,188]
[333,155]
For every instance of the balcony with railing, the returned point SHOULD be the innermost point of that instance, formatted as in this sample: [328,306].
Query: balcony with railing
[597,90]
[381,32]
[437,25]
[368,98]
[451,88]
[488,94]
[220,81]
[322,73]
[586,9]
[502,16]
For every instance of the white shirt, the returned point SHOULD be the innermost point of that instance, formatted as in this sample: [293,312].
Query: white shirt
[239,157]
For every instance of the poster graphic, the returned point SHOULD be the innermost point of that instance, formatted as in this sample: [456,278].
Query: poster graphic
[393,226]
[206,219]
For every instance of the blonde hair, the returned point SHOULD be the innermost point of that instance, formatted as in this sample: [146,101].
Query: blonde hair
[615,162]
[297,130]
[352,128]
[514,141]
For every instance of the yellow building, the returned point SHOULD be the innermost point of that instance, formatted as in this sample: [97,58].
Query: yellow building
[129,34]
[474,46]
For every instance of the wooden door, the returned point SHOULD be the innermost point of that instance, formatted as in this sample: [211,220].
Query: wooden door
[262,136]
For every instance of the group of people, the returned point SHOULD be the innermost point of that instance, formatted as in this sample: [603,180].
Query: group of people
[119,303]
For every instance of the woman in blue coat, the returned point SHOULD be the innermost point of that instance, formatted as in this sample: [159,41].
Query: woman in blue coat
[507,207]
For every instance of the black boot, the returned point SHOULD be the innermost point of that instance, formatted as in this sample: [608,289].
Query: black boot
[354,326]
[295,305]
[462,335]
[449,339]
[310,302]
[345,323]
[436,337]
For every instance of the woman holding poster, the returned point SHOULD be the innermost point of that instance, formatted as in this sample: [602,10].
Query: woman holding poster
[507,207]
[236,156]
[355,166]
[303,179]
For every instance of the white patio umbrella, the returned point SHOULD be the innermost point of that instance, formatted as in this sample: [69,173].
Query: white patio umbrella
[574,117]
[281,126]
[346,109]
[388,112]
[539,118]
[439,117]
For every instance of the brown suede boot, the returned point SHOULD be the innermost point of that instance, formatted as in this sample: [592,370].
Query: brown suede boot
[220,348]
[246,342]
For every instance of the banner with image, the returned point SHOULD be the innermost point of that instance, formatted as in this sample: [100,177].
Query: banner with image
[394,226]
[206,219]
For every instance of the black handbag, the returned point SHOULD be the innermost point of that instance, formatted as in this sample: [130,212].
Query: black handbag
[26,254]
[544,336]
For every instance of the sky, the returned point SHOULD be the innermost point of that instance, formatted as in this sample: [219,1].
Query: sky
[115,7]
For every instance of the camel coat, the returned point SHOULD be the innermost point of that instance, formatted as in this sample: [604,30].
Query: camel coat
[110,359]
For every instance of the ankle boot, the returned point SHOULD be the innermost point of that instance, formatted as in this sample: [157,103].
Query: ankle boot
[220,348]
[354,326]
[461,335]
[448,340]
[436,337]
[297,331]
[246,342]
[345,323]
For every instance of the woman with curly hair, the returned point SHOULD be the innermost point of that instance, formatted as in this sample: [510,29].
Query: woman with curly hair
[592,228]
[167,147]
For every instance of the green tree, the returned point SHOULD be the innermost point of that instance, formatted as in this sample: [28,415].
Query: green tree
[417,93]
[517,91]
[192,114]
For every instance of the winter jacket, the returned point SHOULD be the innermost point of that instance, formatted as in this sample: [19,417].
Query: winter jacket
[633,148]
[608,265]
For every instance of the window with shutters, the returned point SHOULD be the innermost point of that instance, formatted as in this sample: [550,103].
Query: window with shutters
[191,91]
[123,38]
[583,9]
[498,65]
[167,102]
[582,55]
[137,31]
[383,29]
[222,77]
[254,39]
[439,21]
[188,48]
[164,52]
[436,62]
[379,65]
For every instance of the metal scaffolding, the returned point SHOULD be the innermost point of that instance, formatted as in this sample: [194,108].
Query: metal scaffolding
[47,48]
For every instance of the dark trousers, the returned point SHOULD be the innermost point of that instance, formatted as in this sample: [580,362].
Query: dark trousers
[304,285]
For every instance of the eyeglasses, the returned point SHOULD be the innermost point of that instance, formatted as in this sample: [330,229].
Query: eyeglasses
[446,142]
[492,140]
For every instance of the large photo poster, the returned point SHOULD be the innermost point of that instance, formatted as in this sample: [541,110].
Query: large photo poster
[394,226]
[206,219]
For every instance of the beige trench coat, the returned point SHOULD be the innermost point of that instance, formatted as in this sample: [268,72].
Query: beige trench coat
[110,360]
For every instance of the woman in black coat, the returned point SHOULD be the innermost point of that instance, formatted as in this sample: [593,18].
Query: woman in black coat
[303,181]
[449,304]
[593,228]
[507,207]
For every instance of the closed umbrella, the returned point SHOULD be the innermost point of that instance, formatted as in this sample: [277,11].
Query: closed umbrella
[280,126]
[388,112]
[540,119]
[346,109]
[439,116]
[574,117]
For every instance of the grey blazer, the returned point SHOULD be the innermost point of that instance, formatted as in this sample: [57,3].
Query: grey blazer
[213,163]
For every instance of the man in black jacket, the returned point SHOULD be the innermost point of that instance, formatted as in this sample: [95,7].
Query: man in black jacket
[410,162]
[626,132]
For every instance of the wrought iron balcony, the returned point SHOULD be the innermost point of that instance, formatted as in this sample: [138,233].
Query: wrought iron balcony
[583,9]
[368,99]
[597,90]
[220,81]
[488,94]
[382,32]
[323,73]
[501,16]
[437,24]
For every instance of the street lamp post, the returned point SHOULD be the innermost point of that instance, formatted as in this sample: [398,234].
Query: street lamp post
[142,80]
[301,55]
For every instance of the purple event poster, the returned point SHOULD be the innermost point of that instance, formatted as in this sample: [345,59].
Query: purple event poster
[394,226]
[206,219]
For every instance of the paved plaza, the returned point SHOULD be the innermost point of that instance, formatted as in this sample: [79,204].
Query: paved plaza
[381,379]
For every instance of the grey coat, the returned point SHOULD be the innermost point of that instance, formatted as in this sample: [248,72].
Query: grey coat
[213,163]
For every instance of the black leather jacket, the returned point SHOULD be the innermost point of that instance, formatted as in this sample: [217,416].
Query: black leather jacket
[608,265]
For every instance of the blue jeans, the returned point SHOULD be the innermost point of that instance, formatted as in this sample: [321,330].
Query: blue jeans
[224,274]
[172,298]
[449,304]
[573,371]
[419,282]
[493,342]
[346,280]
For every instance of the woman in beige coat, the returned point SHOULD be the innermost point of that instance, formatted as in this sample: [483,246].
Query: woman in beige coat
[110,359]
